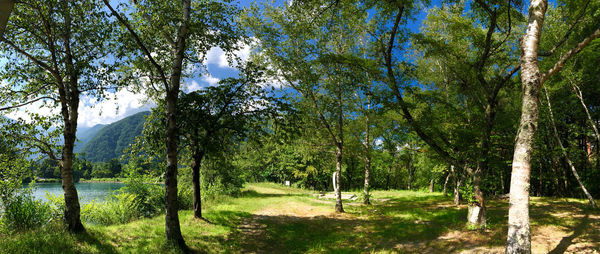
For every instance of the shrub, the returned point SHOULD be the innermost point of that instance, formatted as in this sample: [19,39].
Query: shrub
[23,212]
[121,208]
[149,198]
[185,196]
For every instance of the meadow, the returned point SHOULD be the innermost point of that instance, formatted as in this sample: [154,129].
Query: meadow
[270,218]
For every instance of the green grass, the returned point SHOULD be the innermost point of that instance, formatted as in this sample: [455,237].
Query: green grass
[272,218]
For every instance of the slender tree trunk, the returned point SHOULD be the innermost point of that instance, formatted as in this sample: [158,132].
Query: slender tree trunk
[172,226]
[457,183]
[367,199]
[69,97]
[518,239]
[446,184]
[431,185]
[367,145]
[564,151]
[198,156]
[338,169]
[457,196]
[587,112]
[410,171]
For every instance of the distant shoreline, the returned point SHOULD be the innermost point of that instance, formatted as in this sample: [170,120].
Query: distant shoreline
[101,180]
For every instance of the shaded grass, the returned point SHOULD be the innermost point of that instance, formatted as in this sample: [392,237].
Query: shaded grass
[273,218]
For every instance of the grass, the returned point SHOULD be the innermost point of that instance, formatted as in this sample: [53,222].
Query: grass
[276,219]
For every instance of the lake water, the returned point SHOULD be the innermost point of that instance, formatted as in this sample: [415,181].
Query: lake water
[86,191]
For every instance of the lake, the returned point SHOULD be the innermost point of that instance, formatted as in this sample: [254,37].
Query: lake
[86,191]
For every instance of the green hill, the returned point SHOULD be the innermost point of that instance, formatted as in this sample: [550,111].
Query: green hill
[84,135]
[110,140]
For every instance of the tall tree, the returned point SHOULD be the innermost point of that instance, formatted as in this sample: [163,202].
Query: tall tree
[532,79]
[57,52]
[163,43]
[312,48]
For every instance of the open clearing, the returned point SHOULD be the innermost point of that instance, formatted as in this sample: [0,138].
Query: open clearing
[269,218]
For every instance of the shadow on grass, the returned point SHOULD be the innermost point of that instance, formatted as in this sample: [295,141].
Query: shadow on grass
[346,233]
[564,244]
[91,238]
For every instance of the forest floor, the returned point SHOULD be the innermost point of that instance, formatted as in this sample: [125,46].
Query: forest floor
[270,218]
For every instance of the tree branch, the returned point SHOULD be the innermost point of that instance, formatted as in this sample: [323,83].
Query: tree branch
[563,59]
[139,42]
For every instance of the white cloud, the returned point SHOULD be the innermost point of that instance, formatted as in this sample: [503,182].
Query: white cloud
[92,111]
[218,57]
[193,86]
[34,108]
[116,107]
[212,81]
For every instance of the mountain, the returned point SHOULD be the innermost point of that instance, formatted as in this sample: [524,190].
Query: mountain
[110,140]
[84,135]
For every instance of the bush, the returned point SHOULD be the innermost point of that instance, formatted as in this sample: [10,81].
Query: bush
[121,208]
[23,212]
[149,198]
[185,196]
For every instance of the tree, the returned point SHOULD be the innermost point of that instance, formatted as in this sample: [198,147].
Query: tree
[208,117]
[162,41]
[565,154]
[533,79]
[312,48]
[57,52]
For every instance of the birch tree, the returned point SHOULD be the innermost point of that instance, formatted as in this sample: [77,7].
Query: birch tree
[56,52]
[164,42]
[532,79]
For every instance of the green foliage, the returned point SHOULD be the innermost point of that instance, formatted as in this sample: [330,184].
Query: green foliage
[120,208]
[148,196]
[23,212]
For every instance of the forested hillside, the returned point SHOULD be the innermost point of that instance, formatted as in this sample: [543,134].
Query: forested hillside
[84,136]
[110,140]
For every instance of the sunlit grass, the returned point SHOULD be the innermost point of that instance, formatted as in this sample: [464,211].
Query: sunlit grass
[269,217]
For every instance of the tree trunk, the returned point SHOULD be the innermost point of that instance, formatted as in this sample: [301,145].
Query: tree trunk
[198,155]
[367,145]
[410,171]
[564,152]
[587,112]
[457,183]
[446,184]
[338,170]
[518,239]
[172,227]
[72,207]
[477,210]
[431,185]
[69,98]
[457,196]
[367,199]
